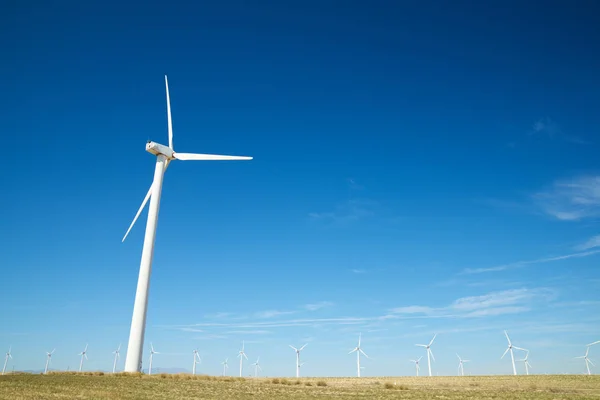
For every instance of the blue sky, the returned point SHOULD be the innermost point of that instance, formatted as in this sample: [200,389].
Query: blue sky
[418,168]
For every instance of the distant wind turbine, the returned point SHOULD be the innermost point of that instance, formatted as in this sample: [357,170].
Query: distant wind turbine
[512,356]
[526,361]
[461,366]
[225,366]
[429,352]
[164,156]
[242,355]
[256,367]
[117,355]
[152,353]
[8,355]
[298,358]
[48,357]
[417,364]
[83,354]
[197,359]
[587,360]
[358,350]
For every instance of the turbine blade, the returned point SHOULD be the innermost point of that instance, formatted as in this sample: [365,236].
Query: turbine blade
[207,157]
[352,351]
[591,362]
[596,342]
[430,343]
[293,347]
[431,352]
[505,351]
[245,355]
[169,121]
[365,354]
[421,345]
[306,344]
[138,213]
[507,338]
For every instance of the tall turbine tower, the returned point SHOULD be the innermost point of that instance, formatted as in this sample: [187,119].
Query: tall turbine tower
[512,356]
[117,355]
[8,355]
[197,359]
[461,366]
[256,367]
[241,355]
[417,364]
[298,358]
[152,353]
[526,361]
[429,352]
[164,156]
[358,350]
[83,354]
[48,357]
[587,360]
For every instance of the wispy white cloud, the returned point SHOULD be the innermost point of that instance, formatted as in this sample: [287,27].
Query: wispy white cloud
[549,128]
[317,306]
[249,332]
[525,263]
[347,212]
[491,304]
[353,185]
[591,243]
[358,271]
[571,200]
[272,314]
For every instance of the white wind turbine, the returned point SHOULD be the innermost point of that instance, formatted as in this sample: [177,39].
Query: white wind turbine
[48,357]
[256,367]
[298,358]
[587,360]
[241,355]
[417,364]
[526,361]
[83,354]
[164,156]
[152,353]
[225,366]
[429,352]
[512,356]
[197,359]
[461,367]
[8,355]
[358,350]
[117,355]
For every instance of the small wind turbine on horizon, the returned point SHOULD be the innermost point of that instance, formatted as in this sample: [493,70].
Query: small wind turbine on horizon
[8,355]
[225,366]
[461,366]
[429,352]
[526,361]
[298,358]
[358,350]
[152,353]
[241,355]
[256,367]
[117,355]
[83,354]
[48,357]
[512,356]
[197,360]
[417,364]
[164,156]
[587,360]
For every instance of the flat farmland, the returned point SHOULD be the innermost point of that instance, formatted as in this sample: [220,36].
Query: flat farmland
[182,386]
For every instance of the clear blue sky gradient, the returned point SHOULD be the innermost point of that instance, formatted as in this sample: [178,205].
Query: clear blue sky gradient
[420,167]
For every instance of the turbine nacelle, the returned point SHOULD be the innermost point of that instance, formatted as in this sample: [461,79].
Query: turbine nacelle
[160,149]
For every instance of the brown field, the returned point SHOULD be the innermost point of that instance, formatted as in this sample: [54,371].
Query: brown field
[182,386]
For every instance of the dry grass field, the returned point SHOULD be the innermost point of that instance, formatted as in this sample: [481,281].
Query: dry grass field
[172,387]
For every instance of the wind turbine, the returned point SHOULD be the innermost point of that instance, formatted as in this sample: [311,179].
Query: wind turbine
[225,366]
[587,360]
[512,356]
[48,357]
[256,367]
[164,156]
[358,350]
[241,355]
[298,358]
[83,354]
[461,367]
[429,352]
[417,364]
[197,359]
[8,355]
[526,361]
[152,353]
[117,355]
